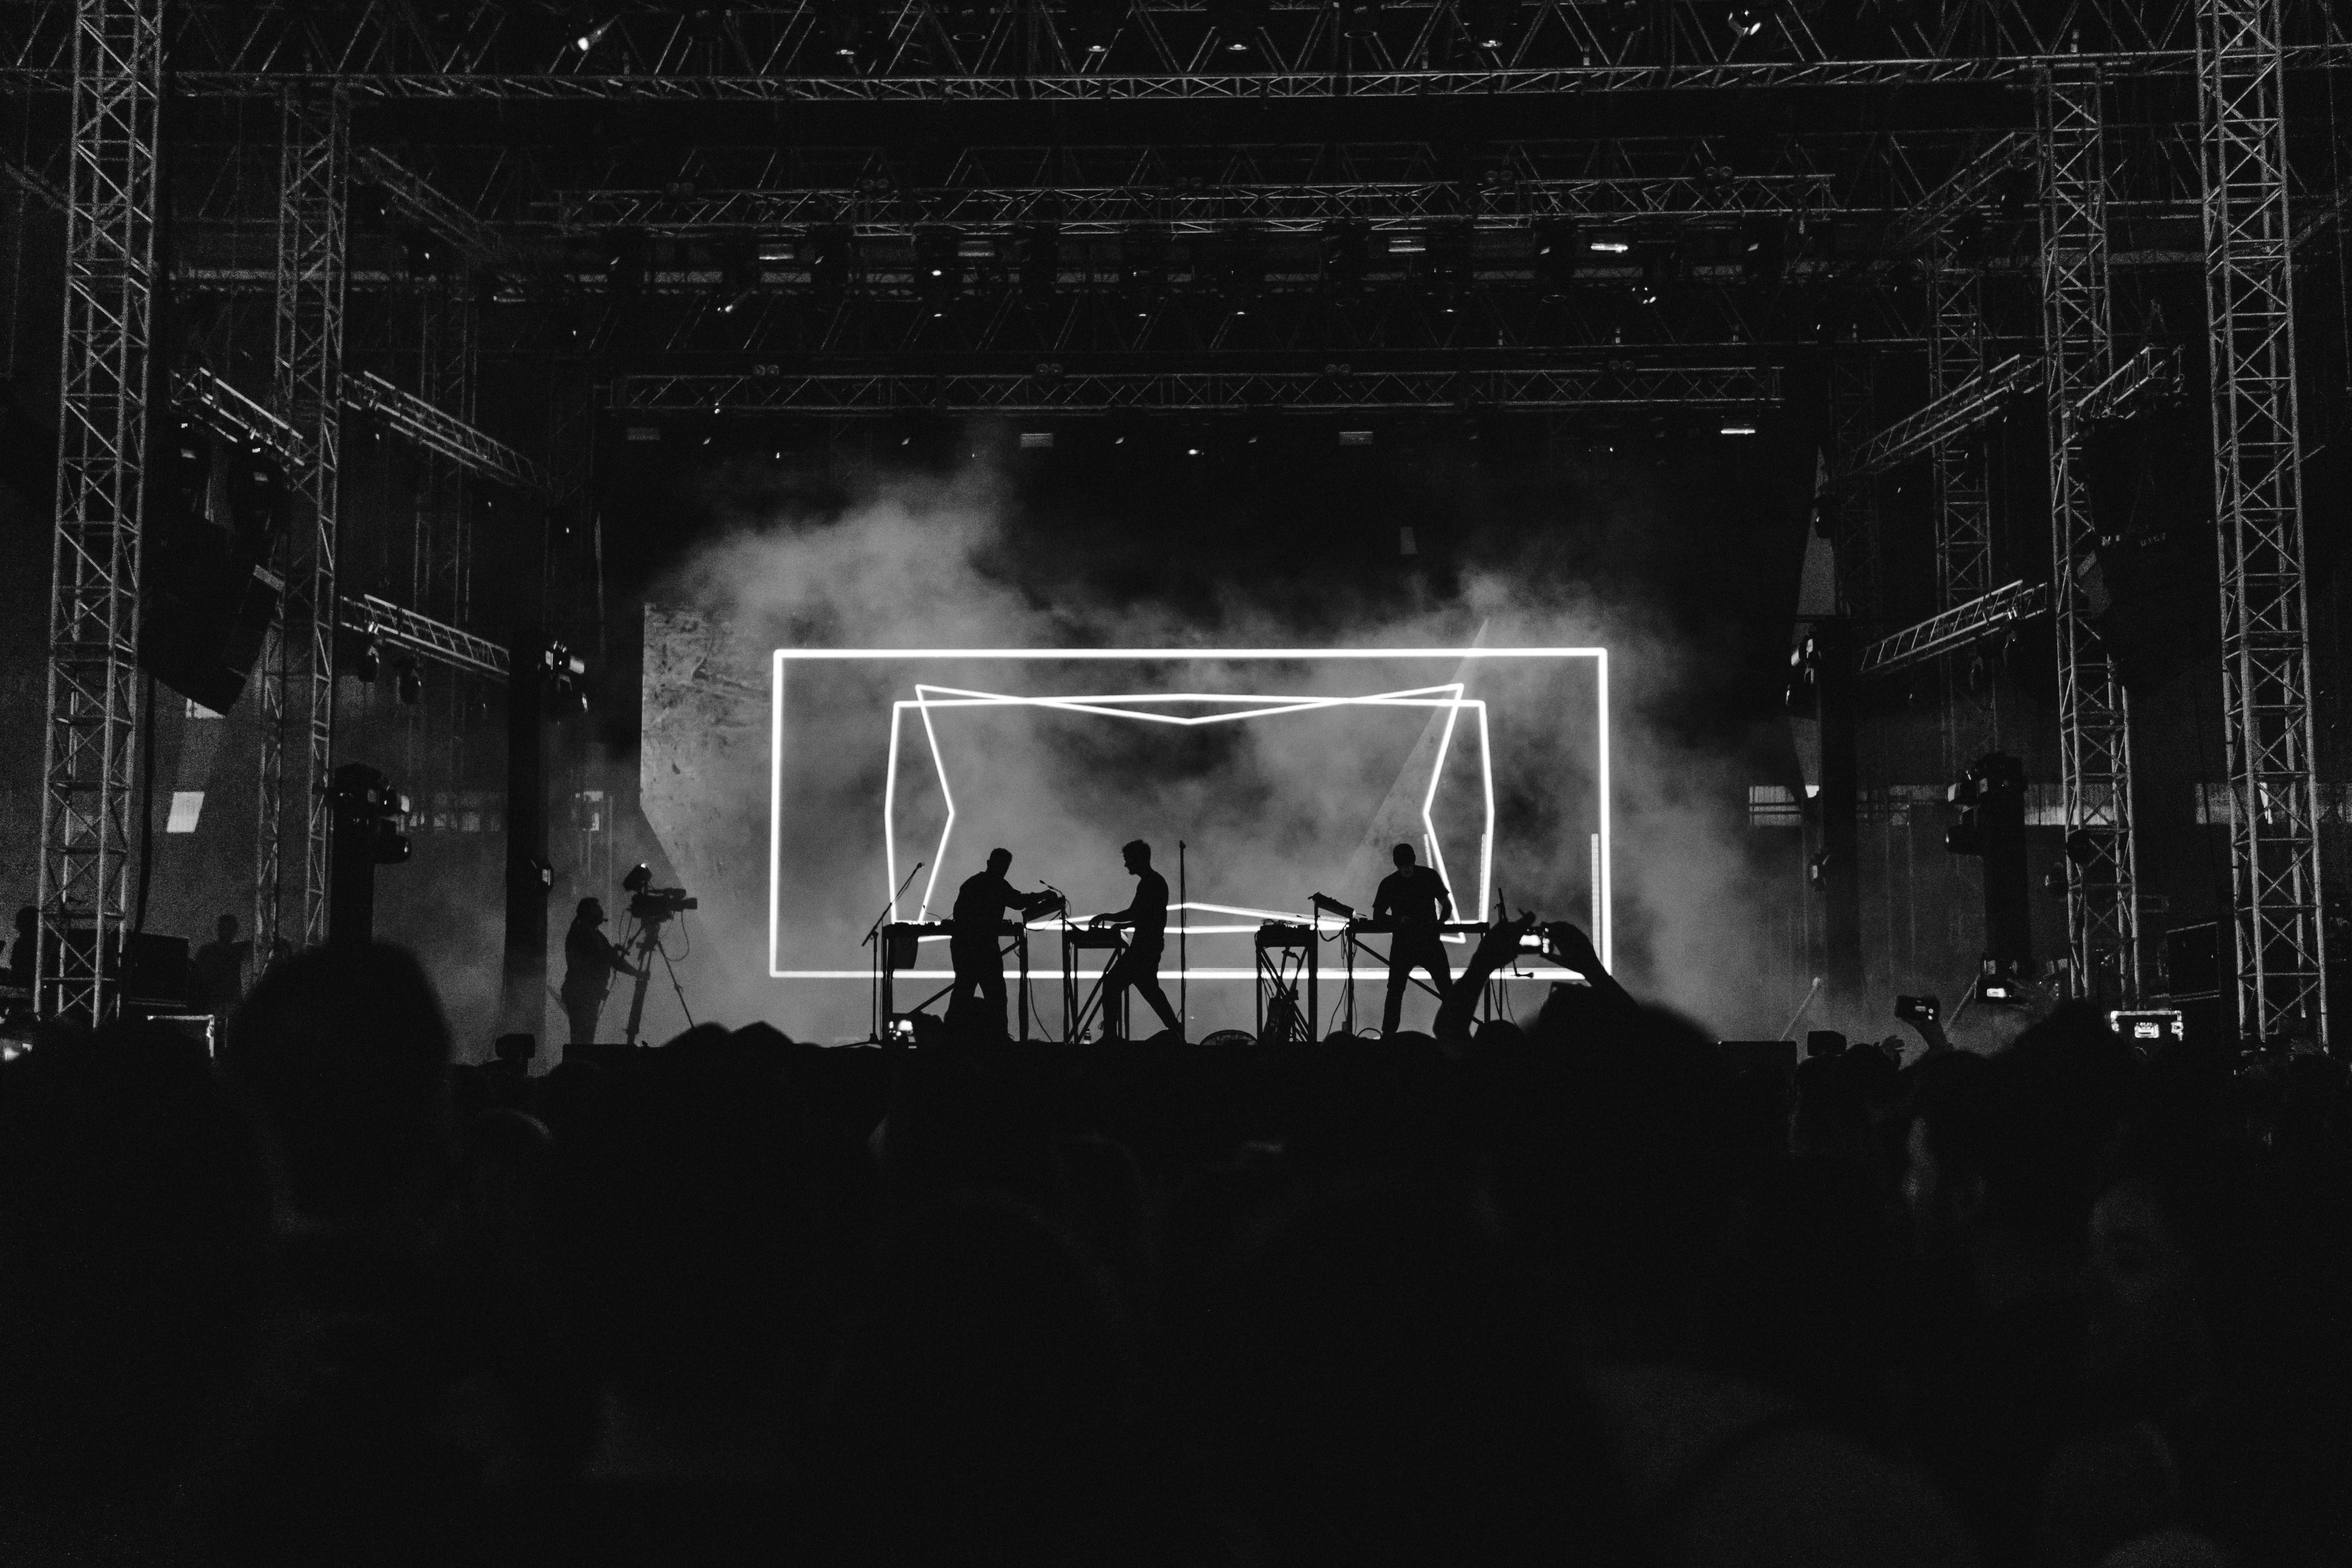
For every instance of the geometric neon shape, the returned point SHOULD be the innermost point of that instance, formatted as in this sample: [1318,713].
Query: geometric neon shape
[1151,708]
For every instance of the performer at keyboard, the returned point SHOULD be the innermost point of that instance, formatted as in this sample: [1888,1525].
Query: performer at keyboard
[1138,966]
[1413,901]
[976,1001]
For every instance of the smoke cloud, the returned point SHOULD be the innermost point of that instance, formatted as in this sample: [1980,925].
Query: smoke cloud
[1273,809]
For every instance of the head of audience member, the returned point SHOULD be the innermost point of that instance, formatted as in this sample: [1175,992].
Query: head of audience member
[697,1272]
[2001,1155]
[345,1056]
[132,1221]
[1617,1177]
[1367,1384]
[984,1407]
[225,929]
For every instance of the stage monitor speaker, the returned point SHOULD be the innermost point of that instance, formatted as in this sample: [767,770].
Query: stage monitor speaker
[207,615]
[155,968]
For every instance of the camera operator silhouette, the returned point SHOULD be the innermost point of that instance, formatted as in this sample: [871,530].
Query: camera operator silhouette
[590,962]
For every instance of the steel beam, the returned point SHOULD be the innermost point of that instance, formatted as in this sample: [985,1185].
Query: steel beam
[412,418]
[1333,389]
[230,414]
[2280,962]
[441,558]
[1271,207]
[1953,415]
[810,50]
[421,635]
[2093,714]
[414,198]
[1960,626]
[2148,376]
[93,680]
[297,686]
[1960,494]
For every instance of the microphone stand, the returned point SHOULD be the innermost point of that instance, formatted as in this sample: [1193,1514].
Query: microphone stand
[873,934]
[1184,948]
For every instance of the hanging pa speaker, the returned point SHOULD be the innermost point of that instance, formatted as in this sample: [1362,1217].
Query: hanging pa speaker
[207,613]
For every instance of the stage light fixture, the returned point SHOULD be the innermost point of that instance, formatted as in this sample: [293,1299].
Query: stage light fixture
[1239,22]
[370,661]
[1737,430]
[1610,247]
[412,685]
[1093,25]
[594,36]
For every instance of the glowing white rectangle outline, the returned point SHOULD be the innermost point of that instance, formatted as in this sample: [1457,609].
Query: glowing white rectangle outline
[1604,937]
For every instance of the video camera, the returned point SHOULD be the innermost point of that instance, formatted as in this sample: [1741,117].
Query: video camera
[652,904]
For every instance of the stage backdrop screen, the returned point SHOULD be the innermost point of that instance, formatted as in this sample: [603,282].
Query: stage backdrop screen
[1258,776]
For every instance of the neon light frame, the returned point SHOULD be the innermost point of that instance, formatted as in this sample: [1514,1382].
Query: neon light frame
[1604,938]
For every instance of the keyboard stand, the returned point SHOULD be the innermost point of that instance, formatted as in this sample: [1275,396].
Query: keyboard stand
[1074,1016]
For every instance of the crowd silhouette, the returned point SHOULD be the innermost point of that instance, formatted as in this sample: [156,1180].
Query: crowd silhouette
[1585,1291]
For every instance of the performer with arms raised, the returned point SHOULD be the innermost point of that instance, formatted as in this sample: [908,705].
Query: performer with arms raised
[1413,899]
[1138,966]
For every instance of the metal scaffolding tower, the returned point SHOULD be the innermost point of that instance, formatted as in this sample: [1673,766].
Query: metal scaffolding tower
[93,692]
[298,687]
[440,565]
[2094,719]
[2281,968]
[1961,495]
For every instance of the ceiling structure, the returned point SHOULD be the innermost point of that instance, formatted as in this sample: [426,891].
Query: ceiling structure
[851,208]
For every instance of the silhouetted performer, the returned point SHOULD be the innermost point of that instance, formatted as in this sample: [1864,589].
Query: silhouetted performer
[977,998]
[1138,966]
[590,962]
[1413,899]
[28,942]
[221,964]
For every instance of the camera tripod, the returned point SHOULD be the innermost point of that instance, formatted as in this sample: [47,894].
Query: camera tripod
[642,946]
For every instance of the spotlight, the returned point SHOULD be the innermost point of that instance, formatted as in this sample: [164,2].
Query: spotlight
[729,308]
[1610,247]
[1737,430]
[594,36]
